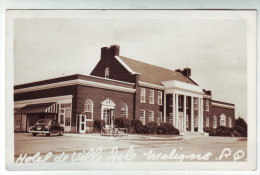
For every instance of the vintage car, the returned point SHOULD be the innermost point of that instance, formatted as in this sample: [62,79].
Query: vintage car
[48,127]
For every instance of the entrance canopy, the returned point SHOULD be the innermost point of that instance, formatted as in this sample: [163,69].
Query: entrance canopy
[39,108]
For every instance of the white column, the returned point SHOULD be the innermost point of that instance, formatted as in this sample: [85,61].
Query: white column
[173,110]
[199,114]
[201,124]
[177,111]
[192,115]
[184,113]
[164,108]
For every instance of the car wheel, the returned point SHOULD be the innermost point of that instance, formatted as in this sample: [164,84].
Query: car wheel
[50,134]
[61,133]
[34,134]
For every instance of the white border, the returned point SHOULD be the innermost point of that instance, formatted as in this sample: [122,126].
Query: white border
[132,4]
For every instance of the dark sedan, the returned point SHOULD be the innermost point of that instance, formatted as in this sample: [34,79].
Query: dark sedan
[48,127]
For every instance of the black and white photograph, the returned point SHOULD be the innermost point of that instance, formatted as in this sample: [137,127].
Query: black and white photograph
[131,90]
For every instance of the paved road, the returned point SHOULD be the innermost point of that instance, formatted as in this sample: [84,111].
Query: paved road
[93,147]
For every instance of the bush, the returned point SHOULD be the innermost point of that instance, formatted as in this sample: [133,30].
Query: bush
[98,124]
[152,127]
[239,130]
[167,128]
[122,122]
[196,129]
[136,126]
[224,131]
[145,129]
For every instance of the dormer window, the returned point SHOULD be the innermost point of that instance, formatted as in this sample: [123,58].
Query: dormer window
[107,72]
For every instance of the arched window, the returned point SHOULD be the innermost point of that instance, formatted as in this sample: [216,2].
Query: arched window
[88,109]
[223,120]
[107,72]
[124,110]
[214,121]
[229,122]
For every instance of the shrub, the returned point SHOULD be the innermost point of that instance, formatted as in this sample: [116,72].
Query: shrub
[239,130]
[98,124]
[167,128]
[207,129]
[152,127]
[145,129]
[224,131]
[136,126]
[122,122]
[196,129]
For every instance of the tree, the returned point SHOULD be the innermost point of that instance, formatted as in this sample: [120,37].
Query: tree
[241,123]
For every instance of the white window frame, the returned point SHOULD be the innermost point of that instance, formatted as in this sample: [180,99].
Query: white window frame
[159,117]
[171,118]
[142,118]
[159,97]
[196,121]
[151,96]
[223,120]
[107,71]
[229,122]
[151,116]
[207,121]
[90,111]
[207,105]
[142,94]
[124,106]
[196,105]
[215,121]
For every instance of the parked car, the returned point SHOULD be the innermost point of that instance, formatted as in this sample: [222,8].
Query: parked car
[48,127]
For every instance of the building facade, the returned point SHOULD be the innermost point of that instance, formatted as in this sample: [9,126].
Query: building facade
[120,86]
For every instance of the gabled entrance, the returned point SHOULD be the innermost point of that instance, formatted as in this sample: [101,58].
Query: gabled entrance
[107,112]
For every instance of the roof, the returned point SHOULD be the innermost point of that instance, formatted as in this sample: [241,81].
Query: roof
[154,74]
[35,108]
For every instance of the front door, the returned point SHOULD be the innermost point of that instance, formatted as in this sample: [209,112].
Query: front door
[108,117]
[82,123]
[181,124]
[65,116]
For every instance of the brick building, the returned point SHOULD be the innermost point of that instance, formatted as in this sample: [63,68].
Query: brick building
[120,86]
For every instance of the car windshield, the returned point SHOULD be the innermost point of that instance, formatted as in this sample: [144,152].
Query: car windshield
[43,121]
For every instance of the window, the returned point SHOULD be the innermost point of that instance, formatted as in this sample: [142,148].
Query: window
[107,72]
[142,116]
[171,118]
[142,98]
[229,122]
[171,101]
[159,97]
[88,109]
[159,117]
[207,121]
[180,101]
[151,116]
[124,110]
[187,103]
[195,121]
[151,96]
[222,120]
[207,105]
[65,114]
[215,121]
[195,103]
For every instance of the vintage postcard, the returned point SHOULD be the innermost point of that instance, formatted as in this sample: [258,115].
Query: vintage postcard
[151,90]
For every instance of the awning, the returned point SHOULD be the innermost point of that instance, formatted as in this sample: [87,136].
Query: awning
[39,108]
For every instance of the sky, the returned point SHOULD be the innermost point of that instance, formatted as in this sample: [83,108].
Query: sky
[212,44]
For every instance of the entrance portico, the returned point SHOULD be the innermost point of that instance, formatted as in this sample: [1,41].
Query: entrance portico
[184,106]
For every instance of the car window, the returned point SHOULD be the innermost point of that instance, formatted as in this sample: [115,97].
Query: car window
[42,121]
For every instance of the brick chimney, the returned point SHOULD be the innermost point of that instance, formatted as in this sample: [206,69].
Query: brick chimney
[186,71]
[114,50]
[104,52]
